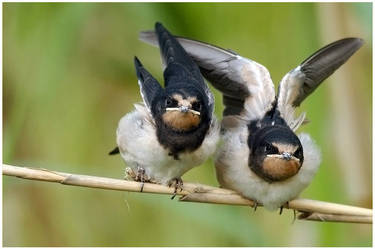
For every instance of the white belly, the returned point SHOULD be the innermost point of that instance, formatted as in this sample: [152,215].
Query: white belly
[139,147]
[234,173]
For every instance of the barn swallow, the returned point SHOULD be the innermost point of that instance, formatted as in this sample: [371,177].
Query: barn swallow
[175,128]
[261,157]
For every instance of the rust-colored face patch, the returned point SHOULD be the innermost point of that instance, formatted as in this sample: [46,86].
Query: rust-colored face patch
[181,121]
[279,169]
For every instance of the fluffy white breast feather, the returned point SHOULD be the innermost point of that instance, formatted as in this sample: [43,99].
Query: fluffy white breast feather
[234,172]
[139,147]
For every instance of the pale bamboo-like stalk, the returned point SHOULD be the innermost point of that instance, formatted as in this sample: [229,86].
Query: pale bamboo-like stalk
[311,209]
[336,218]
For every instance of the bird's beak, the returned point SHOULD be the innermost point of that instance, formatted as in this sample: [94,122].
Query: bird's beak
[286,156]
[183,109]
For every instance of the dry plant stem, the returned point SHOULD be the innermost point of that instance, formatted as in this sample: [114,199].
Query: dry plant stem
[86,181]
[301,205]
[335,218]
[317,210]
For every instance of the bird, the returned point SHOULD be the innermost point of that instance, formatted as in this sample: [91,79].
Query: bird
[175,128]
[262,157]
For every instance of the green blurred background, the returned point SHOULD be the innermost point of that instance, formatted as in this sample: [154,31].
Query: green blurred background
[68,78]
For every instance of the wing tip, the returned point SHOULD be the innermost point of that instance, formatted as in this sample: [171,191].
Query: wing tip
[347,47]
[317,68]
[159,28]
[137,63]
[355,42]
[158,25]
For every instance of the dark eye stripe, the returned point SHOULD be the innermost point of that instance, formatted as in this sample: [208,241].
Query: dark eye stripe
[170,102]
[270,149]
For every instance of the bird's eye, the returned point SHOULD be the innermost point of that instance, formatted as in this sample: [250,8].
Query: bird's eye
[197,106]
[270,149]
[169,102]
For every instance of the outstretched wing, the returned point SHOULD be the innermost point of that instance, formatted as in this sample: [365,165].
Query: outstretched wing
[180,68]
[246,86]
[304,79]
[149,86]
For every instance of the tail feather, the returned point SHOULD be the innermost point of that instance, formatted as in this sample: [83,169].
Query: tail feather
[114,151]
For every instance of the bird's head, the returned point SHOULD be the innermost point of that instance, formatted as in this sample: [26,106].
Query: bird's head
[276,153]
[183,110]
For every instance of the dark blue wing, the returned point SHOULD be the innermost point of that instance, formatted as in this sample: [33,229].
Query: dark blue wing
[149,86]
[246,86]
[179,65]
[181,70]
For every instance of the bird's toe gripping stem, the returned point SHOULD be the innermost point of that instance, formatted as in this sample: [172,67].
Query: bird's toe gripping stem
[138,176]
[178,184]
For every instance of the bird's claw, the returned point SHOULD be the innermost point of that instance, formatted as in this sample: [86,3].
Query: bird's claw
[294,216]
[129,174]
[138,176]
[178,183]
[255,206]
[282,207]
[141,176]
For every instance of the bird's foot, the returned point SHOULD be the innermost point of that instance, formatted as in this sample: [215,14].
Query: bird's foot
[178,184]
[282,207]
[255,206]
[294,216]
[139,176]
[129,174]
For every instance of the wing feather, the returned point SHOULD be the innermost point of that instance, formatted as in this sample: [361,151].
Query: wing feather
[179,65]
[246,86]
[149,86]
[304,79]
